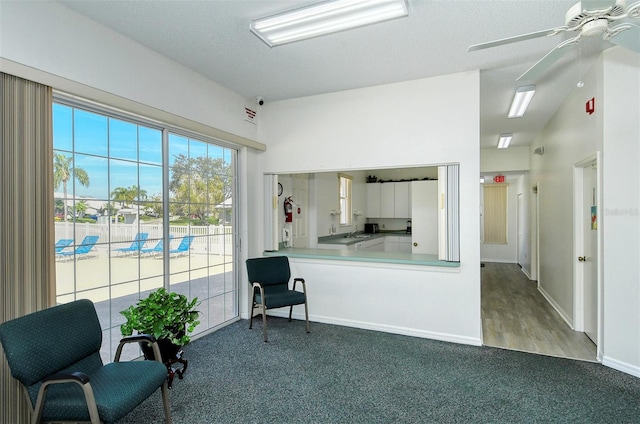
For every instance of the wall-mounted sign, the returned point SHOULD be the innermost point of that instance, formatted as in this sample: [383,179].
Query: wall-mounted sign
[591,105]
[498,179]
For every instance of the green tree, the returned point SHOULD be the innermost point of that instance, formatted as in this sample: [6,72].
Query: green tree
[128,195]
[63,171]
[81,207]
[122,195]
[197,185]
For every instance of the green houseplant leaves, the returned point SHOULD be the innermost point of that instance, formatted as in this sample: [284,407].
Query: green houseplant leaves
[165,315]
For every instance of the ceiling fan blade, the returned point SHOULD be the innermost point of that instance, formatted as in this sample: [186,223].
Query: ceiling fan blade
[509,40]
[628,38]
[549,59]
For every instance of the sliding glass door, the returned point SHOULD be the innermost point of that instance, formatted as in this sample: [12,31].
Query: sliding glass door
[139,206]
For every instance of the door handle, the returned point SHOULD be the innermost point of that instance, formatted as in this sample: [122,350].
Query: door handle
[582,258]
[415,244]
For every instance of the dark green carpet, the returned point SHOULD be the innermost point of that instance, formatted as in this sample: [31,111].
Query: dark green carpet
[345,375]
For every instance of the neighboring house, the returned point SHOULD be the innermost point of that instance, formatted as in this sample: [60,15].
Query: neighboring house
[385,132]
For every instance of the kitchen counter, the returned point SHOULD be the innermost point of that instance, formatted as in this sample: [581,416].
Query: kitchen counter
[342,239]
[364,256]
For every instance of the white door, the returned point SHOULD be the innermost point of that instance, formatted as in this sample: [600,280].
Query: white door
[589,257]
[424,217]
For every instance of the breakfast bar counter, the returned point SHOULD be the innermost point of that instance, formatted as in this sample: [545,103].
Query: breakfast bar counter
[363,256]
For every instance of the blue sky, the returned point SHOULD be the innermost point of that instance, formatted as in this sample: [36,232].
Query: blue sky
[125,153]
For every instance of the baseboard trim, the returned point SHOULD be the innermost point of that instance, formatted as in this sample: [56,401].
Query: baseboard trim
[445,337]
[525,272]
[557,307]
[621,366]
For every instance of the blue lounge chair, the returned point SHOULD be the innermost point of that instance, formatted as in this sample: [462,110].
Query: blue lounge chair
[82,250]
[155,250]
[62,244]
[136,245]
[183,247]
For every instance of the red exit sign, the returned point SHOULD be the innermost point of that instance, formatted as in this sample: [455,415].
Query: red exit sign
[498,179]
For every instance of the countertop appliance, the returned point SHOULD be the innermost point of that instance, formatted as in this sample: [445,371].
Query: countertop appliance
[371,228]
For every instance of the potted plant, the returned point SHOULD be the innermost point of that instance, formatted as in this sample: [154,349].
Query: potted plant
[168,316]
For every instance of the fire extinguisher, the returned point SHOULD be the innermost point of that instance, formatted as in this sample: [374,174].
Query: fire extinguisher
[288,210]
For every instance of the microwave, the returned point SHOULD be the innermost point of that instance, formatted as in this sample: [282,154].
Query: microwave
[371,228]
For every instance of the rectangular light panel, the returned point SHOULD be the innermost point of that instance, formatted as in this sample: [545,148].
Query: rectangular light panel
[504,141]
[521,100]
[325,18]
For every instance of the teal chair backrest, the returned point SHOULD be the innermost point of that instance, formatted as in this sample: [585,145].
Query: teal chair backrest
[45,342]
[269,271]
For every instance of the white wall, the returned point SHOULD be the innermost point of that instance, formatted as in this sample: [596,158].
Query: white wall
[620,106]
[571,136]
[49,37]
[505,160]
[396,125]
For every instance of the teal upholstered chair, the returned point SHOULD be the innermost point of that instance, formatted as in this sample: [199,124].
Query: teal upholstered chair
[269,278]
[55,354]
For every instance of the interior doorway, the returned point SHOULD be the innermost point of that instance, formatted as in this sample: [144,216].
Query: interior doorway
[587,260]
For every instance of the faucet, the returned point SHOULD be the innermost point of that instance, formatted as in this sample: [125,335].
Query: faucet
[352,232]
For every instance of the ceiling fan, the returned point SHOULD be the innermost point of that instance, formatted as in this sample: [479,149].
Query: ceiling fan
[587,18]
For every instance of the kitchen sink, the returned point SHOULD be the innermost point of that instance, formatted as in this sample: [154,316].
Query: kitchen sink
[363,235]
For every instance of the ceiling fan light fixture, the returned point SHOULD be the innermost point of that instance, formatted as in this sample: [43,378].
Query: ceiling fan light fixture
[504,141]
[521,100]
[325,18]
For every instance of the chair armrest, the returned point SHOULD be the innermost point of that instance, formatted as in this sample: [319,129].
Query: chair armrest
[137,338]
[77,377]
[304,287]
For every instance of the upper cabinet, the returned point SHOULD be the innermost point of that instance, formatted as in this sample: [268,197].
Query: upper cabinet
[389,200]
[373,200]
[402,203]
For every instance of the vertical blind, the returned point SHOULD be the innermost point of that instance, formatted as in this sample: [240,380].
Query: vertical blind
[495,214]
[27,273]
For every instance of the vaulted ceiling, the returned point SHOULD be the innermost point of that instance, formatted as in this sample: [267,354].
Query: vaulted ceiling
[213,38]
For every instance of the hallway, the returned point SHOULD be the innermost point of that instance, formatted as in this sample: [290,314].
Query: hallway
[516,316]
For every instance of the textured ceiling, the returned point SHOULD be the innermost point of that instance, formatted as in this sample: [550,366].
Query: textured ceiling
[213,38]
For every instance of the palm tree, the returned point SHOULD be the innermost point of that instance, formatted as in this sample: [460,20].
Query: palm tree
[63,170]
[81,208]
[122,195]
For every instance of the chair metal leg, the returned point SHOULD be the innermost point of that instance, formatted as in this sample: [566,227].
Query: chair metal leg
[306,314]
[264,323]
[290,312]
[165,402]
[253,305]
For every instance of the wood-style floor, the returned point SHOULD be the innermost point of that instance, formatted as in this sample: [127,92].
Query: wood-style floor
[516,316]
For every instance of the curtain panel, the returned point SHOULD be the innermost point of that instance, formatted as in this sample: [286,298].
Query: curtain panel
[27,273]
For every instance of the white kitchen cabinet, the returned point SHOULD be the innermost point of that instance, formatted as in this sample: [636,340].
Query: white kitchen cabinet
[402,201]
[371,245]
[424,217]
[373,200]
[397,244]
[387,200]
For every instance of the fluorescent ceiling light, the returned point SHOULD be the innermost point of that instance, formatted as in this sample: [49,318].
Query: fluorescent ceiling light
[504,141]
[521,100]
[325,18]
